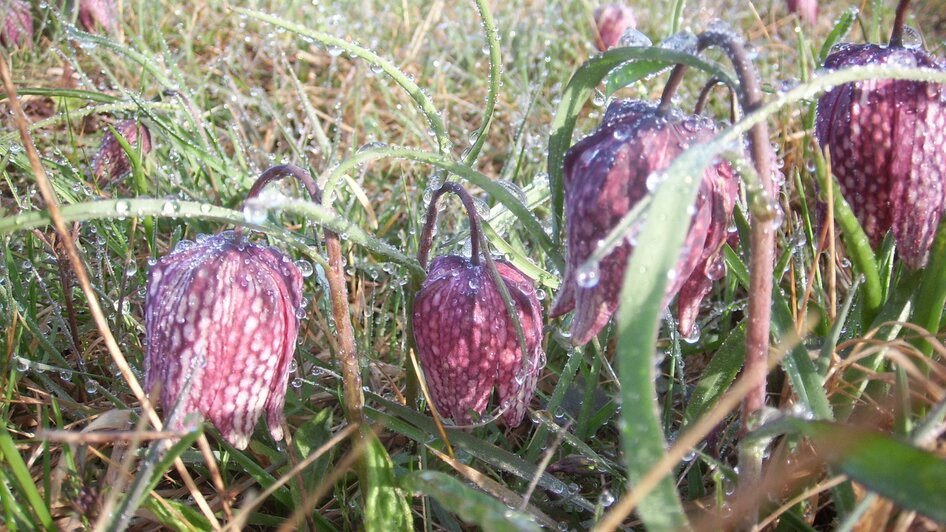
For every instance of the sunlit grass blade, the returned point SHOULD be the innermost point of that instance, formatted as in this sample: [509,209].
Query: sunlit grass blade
[14,462]
[122,208]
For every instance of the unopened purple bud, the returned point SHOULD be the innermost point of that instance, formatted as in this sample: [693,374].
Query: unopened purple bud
[16,26]
[612,21]
[887,141]
[110,160]
[806,9]
[95,14]
[223,313]
[467,341]
[606,174]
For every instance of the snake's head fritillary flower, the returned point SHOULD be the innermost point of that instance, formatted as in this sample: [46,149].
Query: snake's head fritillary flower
[609,172]
[222,312]
[612,21]
[16,26]
[467,341]
[95,14]
[110,160]
[806,9]
[887,141]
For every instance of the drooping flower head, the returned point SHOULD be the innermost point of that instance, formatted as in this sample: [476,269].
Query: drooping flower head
[466,339]
[222,312]
[94,14]
[887,141]
[606,174]
[110,160]
[611,21]
[16,24]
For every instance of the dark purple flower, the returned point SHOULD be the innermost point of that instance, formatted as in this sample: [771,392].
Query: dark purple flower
[606,174]
[98,13]
[467,342]
[887,140]
[223,312]
[16,26]
[611,21]
[806,9]
[110,160]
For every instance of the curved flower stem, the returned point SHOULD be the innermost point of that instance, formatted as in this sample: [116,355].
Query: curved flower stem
[335,274]
[762,245]
[704,95]
[427,235]
[762,239]
[896,35]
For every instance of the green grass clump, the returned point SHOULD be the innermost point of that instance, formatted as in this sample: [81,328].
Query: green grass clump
[381,102]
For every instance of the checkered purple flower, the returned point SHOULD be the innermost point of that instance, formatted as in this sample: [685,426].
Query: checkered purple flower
[222,312]
[609,172]
[468,344]
[887,140]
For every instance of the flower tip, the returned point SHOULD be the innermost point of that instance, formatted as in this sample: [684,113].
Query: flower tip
[806,9]
[611,21]
[240,441]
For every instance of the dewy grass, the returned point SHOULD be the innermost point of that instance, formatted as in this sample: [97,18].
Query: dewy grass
[382,101]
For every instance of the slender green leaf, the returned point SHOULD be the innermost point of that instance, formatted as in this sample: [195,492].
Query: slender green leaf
[931,297]
[11,456]
[718,375]
[385,507]
[911,477]
[472,505]
[838,32]
[630,72]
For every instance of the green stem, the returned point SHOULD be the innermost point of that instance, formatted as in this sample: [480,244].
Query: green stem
[858,245]
[495,72]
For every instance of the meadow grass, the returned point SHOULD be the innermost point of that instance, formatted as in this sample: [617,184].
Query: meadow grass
[227,93]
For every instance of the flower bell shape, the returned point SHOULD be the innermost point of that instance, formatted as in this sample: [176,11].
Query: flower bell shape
[887,141]
[110,160]
[16,25]
[222,313]
[606,174]
[95,14]
[468,344]
[612,21]
[806,9]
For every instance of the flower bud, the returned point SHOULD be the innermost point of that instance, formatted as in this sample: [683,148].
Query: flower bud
[467,341]
[110,160]
[887,141]
[806,9]
[98,14]
[223,313]
[16,25]
[612,21]
[606,174]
